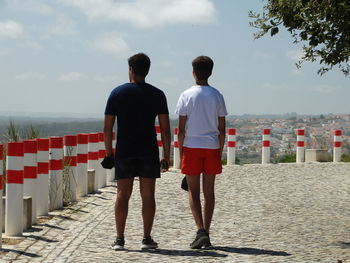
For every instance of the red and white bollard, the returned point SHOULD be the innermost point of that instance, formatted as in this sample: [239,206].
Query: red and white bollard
[160,143]
[300,156]
[82,164]
[266,146]
[56,173]
[337,146]
[93,156]
[231,146]
[30,172]
[101,155]
[1,213]
[42,207]
[176,149]
[70,161]
[14,189]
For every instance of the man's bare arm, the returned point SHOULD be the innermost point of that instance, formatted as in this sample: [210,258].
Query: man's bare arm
[165,134]
[222,134]
[108,133]
[181,134]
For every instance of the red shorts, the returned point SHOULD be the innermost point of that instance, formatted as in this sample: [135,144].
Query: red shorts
[197,160]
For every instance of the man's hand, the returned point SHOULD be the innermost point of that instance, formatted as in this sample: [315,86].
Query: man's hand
[164,165]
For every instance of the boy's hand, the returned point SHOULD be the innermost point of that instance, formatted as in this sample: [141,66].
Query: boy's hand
[164,165]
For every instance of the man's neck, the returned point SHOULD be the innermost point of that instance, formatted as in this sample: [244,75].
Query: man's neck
[202,82]
[138,80]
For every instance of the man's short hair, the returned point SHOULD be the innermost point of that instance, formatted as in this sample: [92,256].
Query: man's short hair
[140,64]
[202,67]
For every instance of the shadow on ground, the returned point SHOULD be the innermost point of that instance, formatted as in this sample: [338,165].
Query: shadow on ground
[19,252]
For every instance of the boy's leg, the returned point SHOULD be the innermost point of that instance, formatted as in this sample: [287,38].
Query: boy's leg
[209,199]
[124,190]
[193,182]
[147,189]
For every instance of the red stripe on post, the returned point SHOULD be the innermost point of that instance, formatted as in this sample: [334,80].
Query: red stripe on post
[56,142]
[30,146]
[231,144]
[93,155]
[15,149]
[157,129]
[83,138]
[14,177]
[82,158]
[231,131]
[101,153]
[43,168]
[70,160]
[55,165]
[160,144]
[300,144]
[176,144]
[101,136]
[266,143]
[43,144]
[266,131]
[176,131]
[337,144]
[70,140]
[93,137]
[337,132]
[301,132]
[30,172]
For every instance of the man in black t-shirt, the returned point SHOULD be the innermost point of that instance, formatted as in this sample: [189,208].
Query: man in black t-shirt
[135,106]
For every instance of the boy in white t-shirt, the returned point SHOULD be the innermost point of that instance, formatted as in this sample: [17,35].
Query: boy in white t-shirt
[201,138]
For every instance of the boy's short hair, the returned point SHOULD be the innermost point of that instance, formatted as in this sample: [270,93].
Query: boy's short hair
[140,64]
[202,67]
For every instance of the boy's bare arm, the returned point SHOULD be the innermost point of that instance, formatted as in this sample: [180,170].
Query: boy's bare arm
[165,134]
[108,133]
[181,134]
[222,134]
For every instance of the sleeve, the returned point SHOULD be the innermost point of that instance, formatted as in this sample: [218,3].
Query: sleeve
[181,107]
[222,107]
[163,106]
[111,106]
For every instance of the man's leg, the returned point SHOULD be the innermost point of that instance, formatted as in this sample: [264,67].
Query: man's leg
[147,188]
[193,182]
[209,199]
[124,190]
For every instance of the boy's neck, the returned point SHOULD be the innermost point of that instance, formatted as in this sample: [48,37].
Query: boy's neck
[202,82]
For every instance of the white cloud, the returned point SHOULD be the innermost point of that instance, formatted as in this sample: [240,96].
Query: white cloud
[148,14]
[112,44]
[106,78]
[326,89]
[297,72]
[34,6]
[295,54]
[10,29]
[31,76]
[63,26]
[72,76]
[275,87]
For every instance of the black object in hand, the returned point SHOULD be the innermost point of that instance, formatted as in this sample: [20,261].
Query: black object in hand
[108,162]
[184,184]
[164,166]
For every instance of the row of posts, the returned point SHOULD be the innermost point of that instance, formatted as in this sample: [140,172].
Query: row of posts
[36,168]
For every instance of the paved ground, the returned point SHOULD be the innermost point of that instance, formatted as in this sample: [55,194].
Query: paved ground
[271,213]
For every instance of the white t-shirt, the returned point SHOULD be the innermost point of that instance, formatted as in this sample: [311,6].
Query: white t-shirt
[202,105]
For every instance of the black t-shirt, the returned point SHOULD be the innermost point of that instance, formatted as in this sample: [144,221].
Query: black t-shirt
[136,106]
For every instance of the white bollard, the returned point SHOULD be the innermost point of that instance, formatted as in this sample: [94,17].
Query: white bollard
[93,156]
[1,213]
[101,155]
[42,207]
[70,164]
[14,189]
[266,146]
[30,185]
[300,156]
[337,146]
[231,146]
[56,173]
[160,143]
[82,166]
[176,149]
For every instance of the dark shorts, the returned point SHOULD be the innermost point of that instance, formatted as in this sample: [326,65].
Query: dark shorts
[146,167]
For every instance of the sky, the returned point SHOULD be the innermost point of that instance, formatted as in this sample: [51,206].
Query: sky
[64,57]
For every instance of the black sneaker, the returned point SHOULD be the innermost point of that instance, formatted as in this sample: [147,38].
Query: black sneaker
[202,239]
[149,243]
[118,243]
[208,244]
